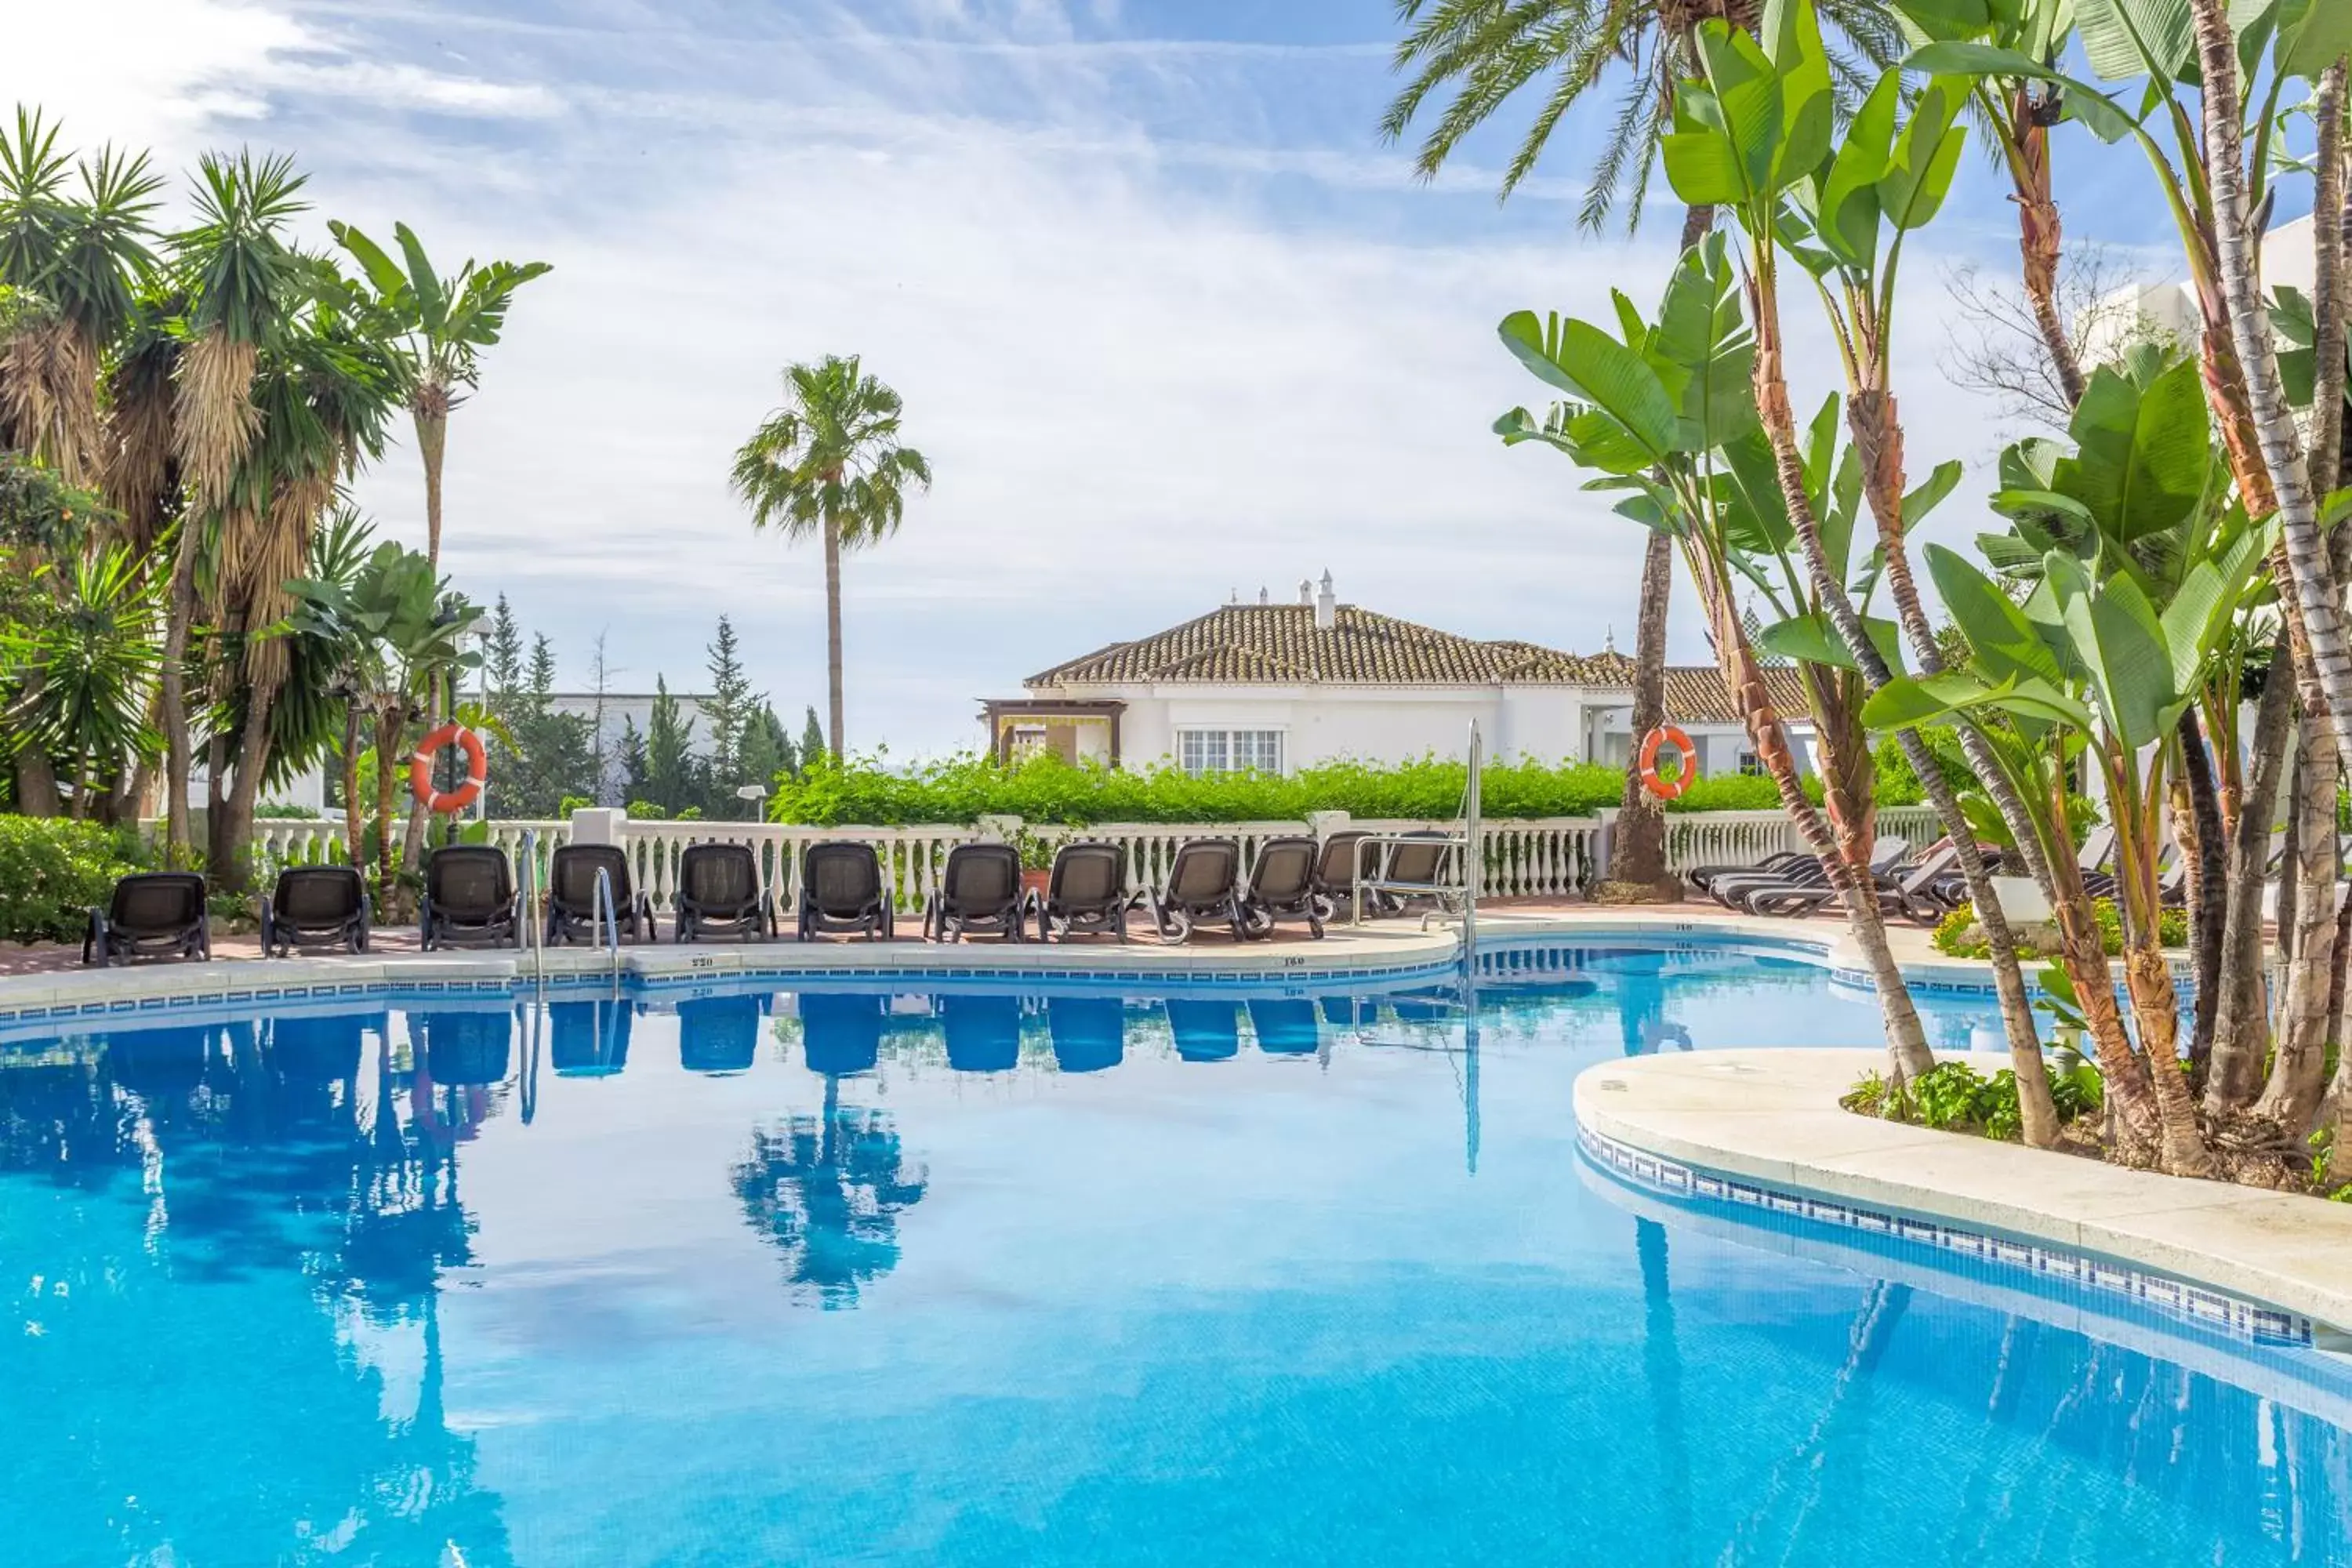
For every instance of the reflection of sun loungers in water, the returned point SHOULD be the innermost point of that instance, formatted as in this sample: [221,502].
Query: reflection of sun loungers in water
[718,1034]
[840,1034]
[1089,1032]
[1205,1031]
[464,1055]
[1284,1028]
[589,1039]
[983,1032]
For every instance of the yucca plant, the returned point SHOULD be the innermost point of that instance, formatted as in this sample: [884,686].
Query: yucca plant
[96,653]
[239,278]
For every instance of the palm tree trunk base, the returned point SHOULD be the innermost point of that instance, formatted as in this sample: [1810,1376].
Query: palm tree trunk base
[1665,891]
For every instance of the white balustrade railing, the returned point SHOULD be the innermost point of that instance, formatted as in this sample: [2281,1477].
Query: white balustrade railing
[1557,856]
[1745,838]
[911,857]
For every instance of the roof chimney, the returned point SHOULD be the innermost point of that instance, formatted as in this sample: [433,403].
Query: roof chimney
[1306,592]
[1326,609]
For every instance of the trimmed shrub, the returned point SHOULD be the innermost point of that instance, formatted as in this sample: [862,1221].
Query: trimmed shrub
[52,871]
[1045,789]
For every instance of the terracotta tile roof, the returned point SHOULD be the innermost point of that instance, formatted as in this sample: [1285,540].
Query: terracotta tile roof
[1280,645]
[1696,694]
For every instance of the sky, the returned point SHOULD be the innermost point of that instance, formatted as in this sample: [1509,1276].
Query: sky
[1170,320]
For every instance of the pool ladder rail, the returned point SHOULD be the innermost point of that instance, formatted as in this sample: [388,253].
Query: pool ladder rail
[605,919]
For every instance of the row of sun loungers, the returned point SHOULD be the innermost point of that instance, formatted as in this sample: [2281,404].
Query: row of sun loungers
[470,899]
[1924,889]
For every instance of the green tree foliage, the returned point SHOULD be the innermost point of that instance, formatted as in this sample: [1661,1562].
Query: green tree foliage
[812,748]
[672,782]
[767,754]
[635,768]
[730,708]
[551,756]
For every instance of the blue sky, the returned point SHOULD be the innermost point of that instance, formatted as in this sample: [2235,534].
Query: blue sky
[1169,320]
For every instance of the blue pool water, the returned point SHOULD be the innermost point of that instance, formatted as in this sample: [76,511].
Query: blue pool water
[741,1278]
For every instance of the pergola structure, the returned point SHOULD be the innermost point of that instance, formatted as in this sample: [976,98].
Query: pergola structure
[1019,725]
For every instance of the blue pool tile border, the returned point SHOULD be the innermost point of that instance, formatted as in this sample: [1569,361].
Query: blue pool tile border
[2215,1311]
[518,988]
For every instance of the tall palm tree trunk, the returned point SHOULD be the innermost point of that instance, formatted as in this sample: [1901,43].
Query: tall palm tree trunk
[2241,1028]
[2314,595]
[354,854]
[2196,825]
[833,635]
[431,411]
[2039,234]
[2083,954]
[1906,1041]
[387,738]
[1743,675]
[1878,438]
[2297,1069]
[232,831]
[36,782]
[1637,844]
[179,755]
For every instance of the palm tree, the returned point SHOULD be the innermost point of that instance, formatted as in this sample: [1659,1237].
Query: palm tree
[391,628]
[829,463]
[1486,51]
[442,324]
[440,327]
[2315,597]
[70,265]
[239,273]
[324,394]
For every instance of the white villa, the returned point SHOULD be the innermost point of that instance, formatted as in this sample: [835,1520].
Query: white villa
[1284,686]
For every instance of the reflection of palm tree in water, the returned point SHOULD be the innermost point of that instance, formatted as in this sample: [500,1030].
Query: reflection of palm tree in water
[268,1156]
[1641,1023]
[1662,1361]
[827,1190]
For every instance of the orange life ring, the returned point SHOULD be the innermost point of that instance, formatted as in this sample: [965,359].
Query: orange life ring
[1668,789]
[420,770]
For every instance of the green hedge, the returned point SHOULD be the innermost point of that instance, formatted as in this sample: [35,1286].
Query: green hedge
[52,871]
[1045,789]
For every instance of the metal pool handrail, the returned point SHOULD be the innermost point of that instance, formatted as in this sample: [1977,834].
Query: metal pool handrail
[531,936]
[1457,842]
[607,920]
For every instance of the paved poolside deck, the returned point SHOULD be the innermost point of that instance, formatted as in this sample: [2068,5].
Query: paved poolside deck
[1771,1118]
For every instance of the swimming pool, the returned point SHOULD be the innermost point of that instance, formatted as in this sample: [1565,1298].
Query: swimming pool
[728,1275]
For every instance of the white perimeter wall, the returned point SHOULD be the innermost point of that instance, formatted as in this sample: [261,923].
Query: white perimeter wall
[1373,724]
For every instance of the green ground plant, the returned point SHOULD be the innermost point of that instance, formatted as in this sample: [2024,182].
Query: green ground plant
[52,871]
[1954,1097]
[1958,936]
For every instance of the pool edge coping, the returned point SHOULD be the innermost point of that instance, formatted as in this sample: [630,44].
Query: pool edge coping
[2246,1245]
[70,994]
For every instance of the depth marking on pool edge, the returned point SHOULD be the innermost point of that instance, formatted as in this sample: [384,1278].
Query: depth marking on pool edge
[2235,1315]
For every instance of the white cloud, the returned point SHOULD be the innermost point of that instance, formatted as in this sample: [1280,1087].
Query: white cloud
[166,74]
[1143,378]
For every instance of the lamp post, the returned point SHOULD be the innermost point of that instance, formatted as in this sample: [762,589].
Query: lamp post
[754,794]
